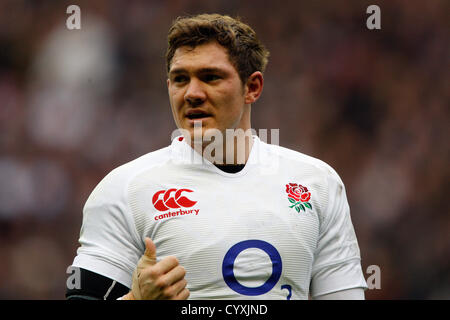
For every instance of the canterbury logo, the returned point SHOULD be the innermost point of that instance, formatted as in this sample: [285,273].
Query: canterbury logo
[171,199]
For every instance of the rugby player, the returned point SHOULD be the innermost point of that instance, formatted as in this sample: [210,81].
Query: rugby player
[181,223]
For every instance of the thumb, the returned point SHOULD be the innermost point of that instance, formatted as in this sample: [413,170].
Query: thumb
[147,259]
[150,249]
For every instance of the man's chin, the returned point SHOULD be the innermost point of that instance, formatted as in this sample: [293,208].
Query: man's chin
[203,134]
[193,123]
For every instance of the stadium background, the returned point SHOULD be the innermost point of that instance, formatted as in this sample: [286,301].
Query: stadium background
[373,104]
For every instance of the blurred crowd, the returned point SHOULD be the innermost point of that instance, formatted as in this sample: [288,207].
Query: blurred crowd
[374,104]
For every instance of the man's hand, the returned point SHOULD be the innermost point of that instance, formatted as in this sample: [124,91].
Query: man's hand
[158,280]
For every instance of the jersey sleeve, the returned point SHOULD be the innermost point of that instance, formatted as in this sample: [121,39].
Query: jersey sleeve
[110,245]
[337,262]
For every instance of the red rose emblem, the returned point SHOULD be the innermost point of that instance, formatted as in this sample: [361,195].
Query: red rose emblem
[298,196]
[298,192]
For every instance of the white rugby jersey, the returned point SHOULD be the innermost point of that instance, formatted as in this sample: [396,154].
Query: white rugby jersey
[278,229]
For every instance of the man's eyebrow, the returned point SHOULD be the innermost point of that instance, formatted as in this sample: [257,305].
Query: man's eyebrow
[210,70]
[201,70]
[177,71]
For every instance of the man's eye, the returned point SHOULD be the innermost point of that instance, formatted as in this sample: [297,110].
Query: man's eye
[211,77]
[179,79]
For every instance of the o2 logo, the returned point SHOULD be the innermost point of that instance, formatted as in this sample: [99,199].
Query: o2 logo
[277,267]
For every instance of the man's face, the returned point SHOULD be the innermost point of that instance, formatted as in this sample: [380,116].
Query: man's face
[204,86]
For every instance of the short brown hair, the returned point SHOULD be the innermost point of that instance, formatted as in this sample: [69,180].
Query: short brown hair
[245,51]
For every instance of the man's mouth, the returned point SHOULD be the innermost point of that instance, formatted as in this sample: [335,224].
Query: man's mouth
[197,115]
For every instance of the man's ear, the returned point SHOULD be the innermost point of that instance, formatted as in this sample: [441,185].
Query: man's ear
[253,87]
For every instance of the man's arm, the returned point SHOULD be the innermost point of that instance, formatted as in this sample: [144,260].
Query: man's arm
[110,244]
[337,260]
[151,280]
[93,286]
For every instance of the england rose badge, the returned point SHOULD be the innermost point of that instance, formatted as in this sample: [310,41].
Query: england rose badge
[298,196]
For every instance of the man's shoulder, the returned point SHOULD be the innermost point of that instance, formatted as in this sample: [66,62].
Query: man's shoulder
[297,159]
[144,162]
[114,184]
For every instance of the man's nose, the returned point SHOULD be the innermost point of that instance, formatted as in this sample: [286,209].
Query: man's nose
[195,93]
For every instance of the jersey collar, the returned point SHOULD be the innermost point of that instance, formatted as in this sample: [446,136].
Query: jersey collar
[184,154]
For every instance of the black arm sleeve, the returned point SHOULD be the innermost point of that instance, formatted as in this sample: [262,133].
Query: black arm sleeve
[93,286]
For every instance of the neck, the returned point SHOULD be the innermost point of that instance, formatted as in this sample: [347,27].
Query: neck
[238,151]
[232,150]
